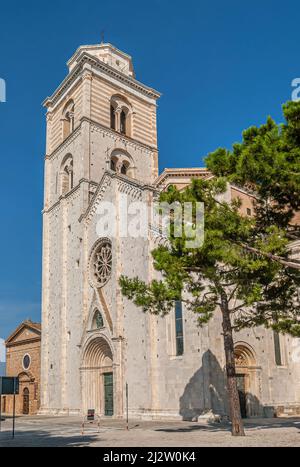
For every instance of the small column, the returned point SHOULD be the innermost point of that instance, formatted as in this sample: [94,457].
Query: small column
[118,118]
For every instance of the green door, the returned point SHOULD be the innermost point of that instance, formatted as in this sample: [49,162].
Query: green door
[108,394]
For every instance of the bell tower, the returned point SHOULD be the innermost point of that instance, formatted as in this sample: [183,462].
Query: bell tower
[100,118]
[104,118]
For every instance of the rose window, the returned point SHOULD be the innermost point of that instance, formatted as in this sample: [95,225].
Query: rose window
[102,264]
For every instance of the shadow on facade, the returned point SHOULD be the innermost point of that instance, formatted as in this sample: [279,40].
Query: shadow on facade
[205,395]
[205,392]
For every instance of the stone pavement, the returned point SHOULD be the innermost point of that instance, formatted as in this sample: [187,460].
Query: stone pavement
[66,431]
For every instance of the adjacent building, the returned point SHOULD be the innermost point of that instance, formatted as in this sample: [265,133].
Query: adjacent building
[23,358]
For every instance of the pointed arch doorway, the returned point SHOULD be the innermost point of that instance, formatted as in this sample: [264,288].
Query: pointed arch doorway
[247,376]
[98,377]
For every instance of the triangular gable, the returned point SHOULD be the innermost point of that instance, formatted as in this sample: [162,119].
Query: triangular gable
[26,331]
[98,195]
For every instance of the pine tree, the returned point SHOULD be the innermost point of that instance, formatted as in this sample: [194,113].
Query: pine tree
[242,268]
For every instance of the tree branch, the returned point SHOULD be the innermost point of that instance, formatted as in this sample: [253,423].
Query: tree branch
[279,259]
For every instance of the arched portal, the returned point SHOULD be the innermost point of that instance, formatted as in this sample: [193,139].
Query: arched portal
[97,377]
[247,374]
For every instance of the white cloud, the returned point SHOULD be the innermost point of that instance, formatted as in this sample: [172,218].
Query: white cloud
[2,350]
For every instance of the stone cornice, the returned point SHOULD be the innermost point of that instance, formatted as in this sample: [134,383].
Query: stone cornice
[125,139]
[86,58]
[182,172]
[65,85]
[244,190]
[95,46]
[95,126]
[30,340]
[68,195]
[65,143]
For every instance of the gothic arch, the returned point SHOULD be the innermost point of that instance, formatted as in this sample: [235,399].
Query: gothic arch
[248,378]
[97,351]
[244,355]
[91,324]
[97,361]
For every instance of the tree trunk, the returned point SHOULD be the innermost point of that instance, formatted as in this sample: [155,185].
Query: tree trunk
[237,426]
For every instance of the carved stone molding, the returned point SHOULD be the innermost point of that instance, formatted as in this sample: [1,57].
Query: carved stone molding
[119,138]
[97,198]
[86,58]
[130,190]
[62,148]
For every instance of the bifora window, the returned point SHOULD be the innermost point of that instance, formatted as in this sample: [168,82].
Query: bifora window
[26,361]
[179,328]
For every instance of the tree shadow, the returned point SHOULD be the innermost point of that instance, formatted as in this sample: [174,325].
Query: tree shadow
[205,396]
[205,393]
[259,424]
[40,438]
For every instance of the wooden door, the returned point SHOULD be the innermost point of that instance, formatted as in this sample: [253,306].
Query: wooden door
[26,401]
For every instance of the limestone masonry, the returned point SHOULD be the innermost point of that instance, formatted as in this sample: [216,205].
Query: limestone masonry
[102,143]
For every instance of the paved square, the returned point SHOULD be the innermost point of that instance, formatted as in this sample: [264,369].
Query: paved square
[66,431]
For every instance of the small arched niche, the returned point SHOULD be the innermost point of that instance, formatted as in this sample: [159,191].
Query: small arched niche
[66,174]
[68,118]
[121,162]
[97,321]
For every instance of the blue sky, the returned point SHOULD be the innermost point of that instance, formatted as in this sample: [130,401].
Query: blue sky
[221,66]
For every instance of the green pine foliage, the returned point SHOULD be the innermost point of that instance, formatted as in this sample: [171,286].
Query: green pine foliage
[257,289]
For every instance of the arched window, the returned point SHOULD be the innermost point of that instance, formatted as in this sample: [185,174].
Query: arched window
[68,119]
[98,322]
[66,175]
[123,122]
[121,162]
[120,115]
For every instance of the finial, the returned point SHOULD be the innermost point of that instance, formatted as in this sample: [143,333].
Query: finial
[102,37]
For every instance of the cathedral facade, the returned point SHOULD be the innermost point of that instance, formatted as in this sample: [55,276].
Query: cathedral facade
[101,146]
